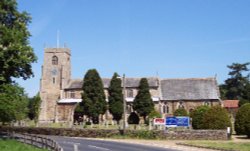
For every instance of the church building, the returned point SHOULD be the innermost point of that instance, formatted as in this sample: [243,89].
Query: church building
[60,94]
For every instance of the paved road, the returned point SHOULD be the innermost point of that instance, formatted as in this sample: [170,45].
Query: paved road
[101,145]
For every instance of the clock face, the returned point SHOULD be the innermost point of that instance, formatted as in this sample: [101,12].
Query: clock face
[54,72]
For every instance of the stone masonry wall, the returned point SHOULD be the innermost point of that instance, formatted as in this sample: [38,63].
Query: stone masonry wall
[105,133]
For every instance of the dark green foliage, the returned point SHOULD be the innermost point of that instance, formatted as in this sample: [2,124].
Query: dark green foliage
[93,96]
[223,91]
[237,87]
[16,55]
[180,112]
[133,118]
[34,107]
[13,104]
[143,103]
[216,118]
[242,121]
[115,98]
[197,116]
[154,114]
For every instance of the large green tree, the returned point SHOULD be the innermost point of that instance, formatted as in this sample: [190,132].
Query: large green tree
[34,107]
[115,97]
[93,97]
[143,103]
[16,55]
[242,122]
[236,84]
[13,103]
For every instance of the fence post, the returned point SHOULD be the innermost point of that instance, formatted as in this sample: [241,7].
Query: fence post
[24,138]
[75,147]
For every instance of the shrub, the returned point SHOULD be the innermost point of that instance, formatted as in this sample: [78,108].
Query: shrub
[154,114]
[216,118]
[242,121]
[180,112]
[133,118]
[197,116]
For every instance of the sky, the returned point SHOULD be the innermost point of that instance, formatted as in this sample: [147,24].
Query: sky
[141,38]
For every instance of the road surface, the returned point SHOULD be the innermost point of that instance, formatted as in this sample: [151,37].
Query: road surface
[84,144]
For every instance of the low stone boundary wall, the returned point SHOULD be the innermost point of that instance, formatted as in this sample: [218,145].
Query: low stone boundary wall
[107,133]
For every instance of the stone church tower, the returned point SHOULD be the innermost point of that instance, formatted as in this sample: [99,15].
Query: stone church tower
[56,74]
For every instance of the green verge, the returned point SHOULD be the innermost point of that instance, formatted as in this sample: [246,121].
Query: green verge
[226,145]
[13,145]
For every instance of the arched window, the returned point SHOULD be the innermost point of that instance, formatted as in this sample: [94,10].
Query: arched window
[130,93]
[54,60]
[165,108]
[181,105]
[207,103]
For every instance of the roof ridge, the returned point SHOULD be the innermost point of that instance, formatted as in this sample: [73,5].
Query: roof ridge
[208,78]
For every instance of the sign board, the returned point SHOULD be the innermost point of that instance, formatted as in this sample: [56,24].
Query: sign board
[183,121]
[159,121]
[171,122]
[177,121]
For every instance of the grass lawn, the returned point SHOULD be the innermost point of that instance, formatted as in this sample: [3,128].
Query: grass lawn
[12,145]
[239,146]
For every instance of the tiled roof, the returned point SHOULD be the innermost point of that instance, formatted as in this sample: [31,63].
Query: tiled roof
[231,103]
[189,89]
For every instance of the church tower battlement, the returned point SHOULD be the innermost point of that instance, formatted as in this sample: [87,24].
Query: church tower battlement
[56,74]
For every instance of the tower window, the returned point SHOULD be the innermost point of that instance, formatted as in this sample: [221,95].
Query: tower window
[54,60]
[54,80]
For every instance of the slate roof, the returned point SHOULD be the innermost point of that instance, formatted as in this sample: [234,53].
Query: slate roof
[171,89]
[130,82]
[189,89]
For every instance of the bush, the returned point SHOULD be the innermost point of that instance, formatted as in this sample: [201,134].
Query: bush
[180,112]
[216,118]
[154,114]
[242,121]
[133,118]
[197,116]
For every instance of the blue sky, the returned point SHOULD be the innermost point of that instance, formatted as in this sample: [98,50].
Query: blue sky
[142,38]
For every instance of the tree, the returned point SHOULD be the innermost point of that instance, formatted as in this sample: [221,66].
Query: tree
[16,55]
[242,121]
[13,103]
[143,103]
[197,116]
[133,118]
[180,112]
[216,118]
[235,85]
[34,107]
[93,97]
[115,98]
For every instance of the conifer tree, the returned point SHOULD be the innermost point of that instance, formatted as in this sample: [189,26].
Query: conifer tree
[143,103]
[93,97]
[115,98]
[235,85]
